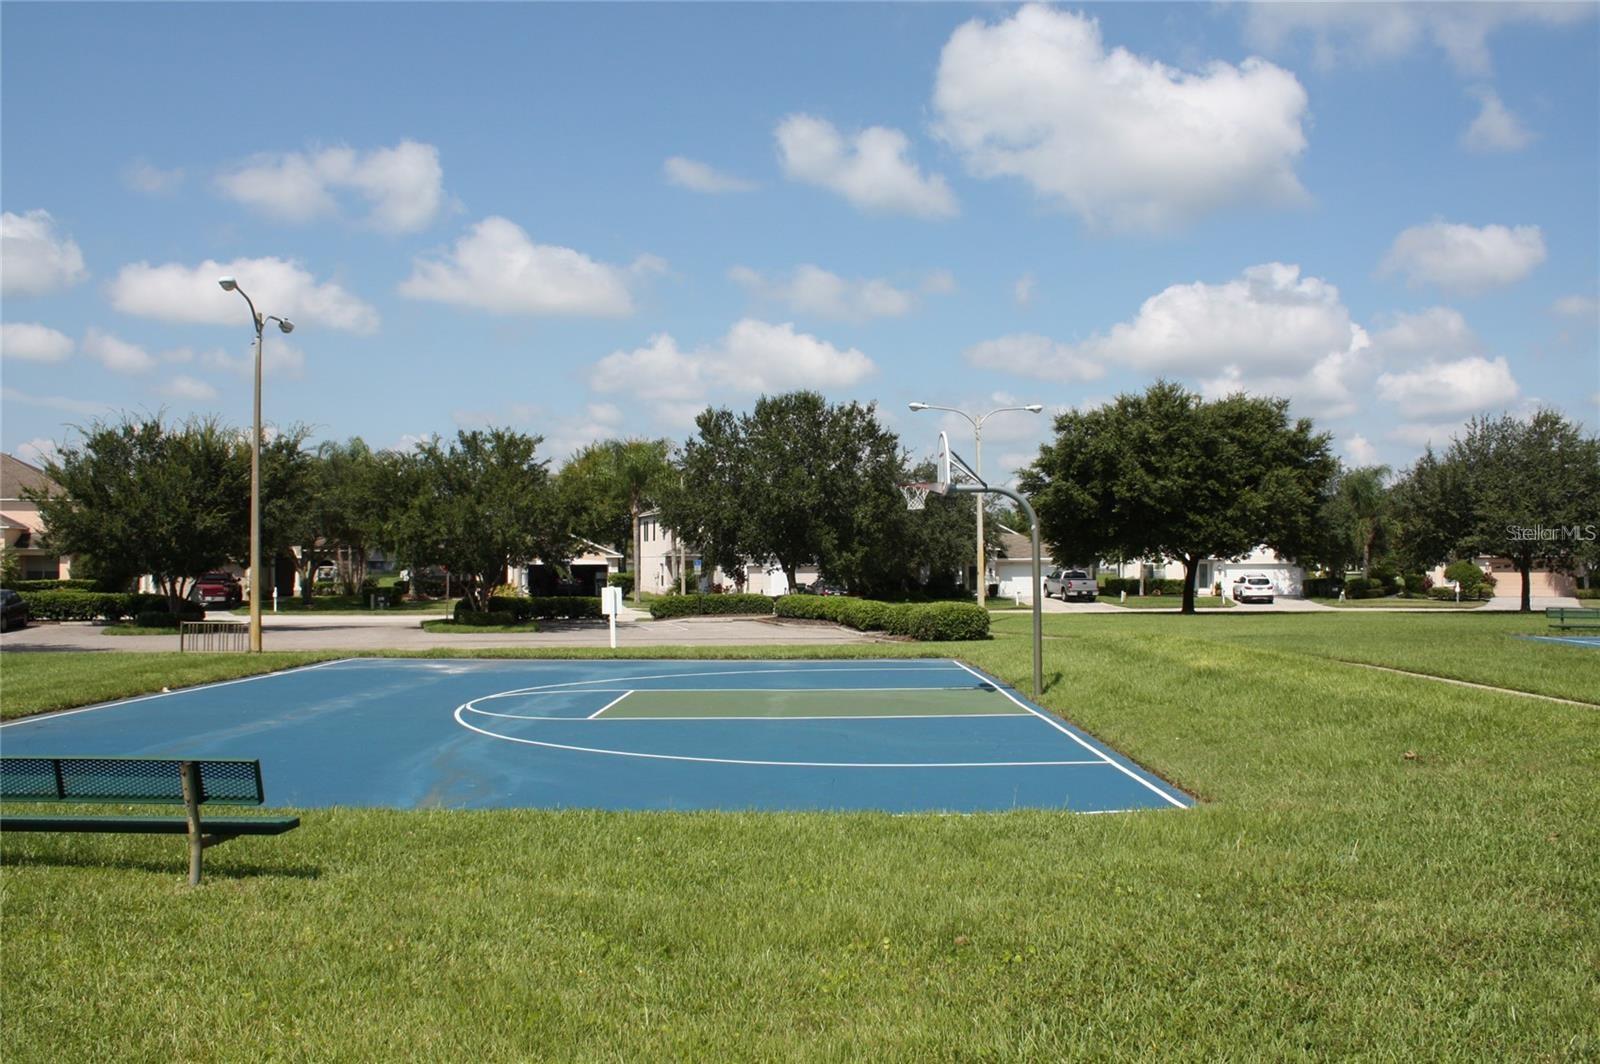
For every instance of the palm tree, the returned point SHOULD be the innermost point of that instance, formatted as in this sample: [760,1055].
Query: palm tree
[616,477]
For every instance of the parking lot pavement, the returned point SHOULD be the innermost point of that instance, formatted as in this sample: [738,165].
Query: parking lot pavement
[402,632]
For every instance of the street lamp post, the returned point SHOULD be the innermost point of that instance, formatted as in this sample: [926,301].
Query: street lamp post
[977,440]
[259,321]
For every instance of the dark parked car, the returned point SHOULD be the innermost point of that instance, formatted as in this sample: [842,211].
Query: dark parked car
[13,611]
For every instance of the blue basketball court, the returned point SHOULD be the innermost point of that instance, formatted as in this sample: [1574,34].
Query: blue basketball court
[1569,640]
[900,735]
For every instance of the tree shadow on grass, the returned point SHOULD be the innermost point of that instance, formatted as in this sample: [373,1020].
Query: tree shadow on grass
[177,865]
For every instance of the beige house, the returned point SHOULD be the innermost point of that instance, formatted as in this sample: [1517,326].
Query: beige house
[24,532]
[1542,583]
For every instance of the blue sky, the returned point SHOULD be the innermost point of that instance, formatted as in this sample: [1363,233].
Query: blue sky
[592,220]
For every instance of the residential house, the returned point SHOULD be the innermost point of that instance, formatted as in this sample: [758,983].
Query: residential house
[25,538]
[1012,567]
[662,559]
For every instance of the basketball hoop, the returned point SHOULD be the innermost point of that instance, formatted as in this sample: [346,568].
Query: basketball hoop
[917,493]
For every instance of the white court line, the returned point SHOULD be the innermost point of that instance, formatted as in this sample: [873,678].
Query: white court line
[840,716]
[775,764]
[1064,730]
[605,707]
[58,714]
[953,666]
[732,690]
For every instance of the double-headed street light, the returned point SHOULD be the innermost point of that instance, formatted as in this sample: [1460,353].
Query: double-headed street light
[230,285]
[977,440]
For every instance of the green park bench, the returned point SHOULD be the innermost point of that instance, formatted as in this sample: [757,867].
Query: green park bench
[139,781]
[1565,617]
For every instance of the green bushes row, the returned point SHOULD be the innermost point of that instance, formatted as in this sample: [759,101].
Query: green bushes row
[543,608]
[623,580]
[1587,593]
[925,621]
[709,605]
[486,619]
[20,586]
[1448,594]
[94,605]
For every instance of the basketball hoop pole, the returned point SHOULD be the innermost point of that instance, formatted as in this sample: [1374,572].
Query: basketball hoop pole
[1038,580]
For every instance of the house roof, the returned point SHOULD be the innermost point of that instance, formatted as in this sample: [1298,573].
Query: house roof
[17,475]
[1016,547]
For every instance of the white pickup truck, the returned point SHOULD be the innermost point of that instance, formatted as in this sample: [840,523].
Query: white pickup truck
[1071,584]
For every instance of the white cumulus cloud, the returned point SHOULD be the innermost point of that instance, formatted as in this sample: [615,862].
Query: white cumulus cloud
[1268,331]
[38,451]
[1022,292]
[1438,333]
[115,353]
[175,292]
[193,389]
[752,358]
[143,176]
[1118,139]
[1577,306]
[1465,258]
[403,186]
[701,177]
[32,342]
[279,358]
[496,266]
[1375,32]
[1495,128]
[1360,450]
[36,259]
[871,169]
[813,290]
[1032,355]
[1463,386]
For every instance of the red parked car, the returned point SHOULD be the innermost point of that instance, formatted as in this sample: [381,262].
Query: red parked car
[221,590]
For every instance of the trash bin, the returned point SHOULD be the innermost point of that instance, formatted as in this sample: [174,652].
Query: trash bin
[994,590]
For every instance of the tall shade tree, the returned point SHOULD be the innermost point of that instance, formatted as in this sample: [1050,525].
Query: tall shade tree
[481,503]
[797,480]
[609,484]
[1166,474]
[355,499]
[1525,490]
[146,497]
[289,485]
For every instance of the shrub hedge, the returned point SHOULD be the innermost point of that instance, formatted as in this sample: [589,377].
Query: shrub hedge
[709,605]
[544,608]
[622,580]
[156,619]
[94,605]
[20,586]
[926,621]
[1587,593]
[486,619]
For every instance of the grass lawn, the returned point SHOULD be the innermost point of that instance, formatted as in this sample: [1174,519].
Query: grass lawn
[1395,601]
[129,628]
[1382,866]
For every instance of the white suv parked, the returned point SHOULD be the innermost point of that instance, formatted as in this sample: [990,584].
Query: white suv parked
[1253,587]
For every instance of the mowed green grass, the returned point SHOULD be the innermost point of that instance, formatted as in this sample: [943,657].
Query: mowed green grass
[1331,896]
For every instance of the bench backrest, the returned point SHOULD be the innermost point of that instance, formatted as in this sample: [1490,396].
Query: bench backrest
[132,780]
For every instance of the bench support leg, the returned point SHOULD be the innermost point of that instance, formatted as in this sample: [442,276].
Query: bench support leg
[190,771]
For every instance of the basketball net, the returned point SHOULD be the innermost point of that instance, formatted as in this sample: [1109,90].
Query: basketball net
[916,493]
